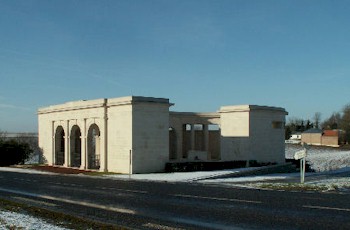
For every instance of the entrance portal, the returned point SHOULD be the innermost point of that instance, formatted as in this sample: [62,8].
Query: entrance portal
[93,147]
[59,146]
[75,147]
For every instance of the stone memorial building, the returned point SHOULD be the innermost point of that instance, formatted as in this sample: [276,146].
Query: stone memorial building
[140,134]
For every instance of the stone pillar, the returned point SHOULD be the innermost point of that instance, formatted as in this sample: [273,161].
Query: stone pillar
[178,131]
[67,147]
[193,141]
[83,146]
[100,152]
[53,162]
[179,138]
[103,141]
[206,140]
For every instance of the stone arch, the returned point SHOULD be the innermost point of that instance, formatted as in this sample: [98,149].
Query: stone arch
[93,147]
[75,146]
[59,145]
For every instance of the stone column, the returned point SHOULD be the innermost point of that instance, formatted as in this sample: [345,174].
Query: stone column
[100,152]
[193,141]
[67,147]
[206,140]
[53,145]
[83,146]
[105,141]
[178,139]
[180,142]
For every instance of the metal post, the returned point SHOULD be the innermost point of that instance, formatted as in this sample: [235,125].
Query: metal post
[304,160]
[301,170]
[130,163]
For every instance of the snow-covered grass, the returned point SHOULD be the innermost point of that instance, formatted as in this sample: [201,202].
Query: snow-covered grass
[179,176]
[322,159]
[15,220]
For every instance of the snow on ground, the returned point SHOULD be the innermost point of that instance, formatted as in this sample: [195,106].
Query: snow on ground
[341,184]
[14,220]
[24,170]
[324,178]
[180,176]
[269,177]
[322,159]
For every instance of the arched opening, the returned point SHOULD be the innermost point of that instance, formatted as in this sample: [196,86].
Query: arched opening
[59,146]
[75,147]
[93,147]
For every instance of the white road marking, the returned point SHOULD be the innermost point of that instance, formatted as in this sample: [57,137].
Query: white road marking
[35,201]
[327,208]
[27,180]
[65,184]
[83,203]
[219,199]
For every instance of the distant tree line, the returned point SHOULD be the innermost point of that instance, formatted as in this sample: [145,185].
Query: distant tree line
[338,120]
[13,151]
[295,125]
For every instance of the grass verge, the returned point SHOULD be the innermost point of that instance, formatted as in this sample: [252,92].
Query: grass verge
[55,218]
[295,187]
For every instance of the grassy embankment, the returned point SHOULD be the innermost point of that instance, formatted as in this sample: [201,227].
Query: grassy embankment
[52,217]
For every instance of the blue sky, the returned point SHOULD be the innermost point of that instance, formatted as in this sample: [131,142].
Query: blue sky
[200,54]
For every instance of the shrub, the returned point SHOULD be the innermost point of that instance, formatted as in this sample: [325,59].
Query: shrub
[13,152]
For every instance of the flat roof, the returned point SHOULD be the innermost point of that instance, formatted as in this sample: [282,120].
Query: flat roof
[96,103]
[246,108]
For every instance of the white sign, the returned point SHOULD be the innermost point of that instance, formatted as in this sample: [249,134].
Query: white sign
[300,154]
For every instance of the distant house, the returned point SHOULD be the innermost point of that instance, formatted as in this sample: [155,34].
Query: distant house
[321,137]
[331,138]
[295,136]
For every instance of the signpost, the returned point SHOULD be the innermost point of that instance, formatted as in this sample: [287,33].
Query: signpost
[130,163]
[301,155]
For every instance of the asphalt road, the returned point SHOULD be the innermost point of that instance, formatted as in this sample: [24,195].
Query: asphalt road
[151,205]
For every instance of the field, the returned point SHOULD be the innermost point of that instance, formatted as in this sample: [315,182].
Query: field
[322,159]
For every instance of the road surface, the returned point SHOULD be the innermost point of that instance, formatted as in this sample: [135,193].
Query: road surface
[155,205]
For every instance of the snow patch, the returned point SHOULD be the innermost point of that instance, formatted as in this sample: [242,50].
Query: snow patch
[322,159]
[24,170]
[13,220]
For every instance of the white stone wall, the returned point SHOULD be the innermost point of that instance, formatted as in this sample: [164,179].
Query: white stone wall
[80,113]
[235,133]
[267,136]
[134,133]
[150,137]
[127,125]
[119,138]
[250,133]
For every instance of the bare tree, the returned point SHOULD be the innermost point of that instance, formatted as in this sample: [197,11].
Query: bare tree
[333,122]
[317,119]
[345,122]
